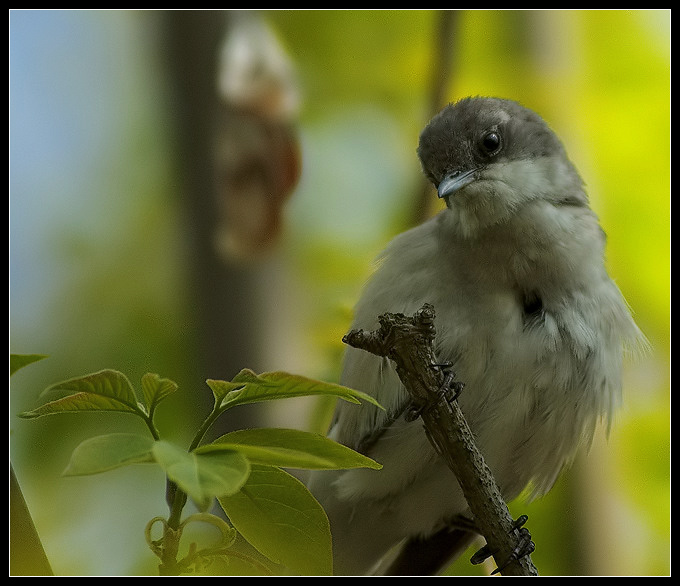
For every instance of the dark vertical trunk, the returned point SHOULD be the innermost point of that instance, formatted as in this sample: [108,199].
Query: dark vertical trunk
[223,299]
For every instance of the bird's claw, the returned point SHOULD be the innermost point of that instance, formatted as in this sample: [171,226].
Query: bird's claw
[448,391]
[523,547]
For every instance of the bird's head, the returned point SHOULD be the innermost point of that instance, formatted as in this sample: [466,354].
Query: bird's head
[489,157]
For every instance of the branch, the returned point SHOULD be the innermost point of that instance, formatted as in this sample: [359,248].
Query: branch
[408,342]
[446,24]
[27,556]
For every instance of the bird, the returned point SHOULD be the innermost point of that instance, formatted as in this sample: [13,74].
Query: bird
[526,316]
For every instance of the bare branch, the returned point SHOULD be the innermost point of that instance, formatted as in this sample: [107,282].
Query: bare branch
[408,341]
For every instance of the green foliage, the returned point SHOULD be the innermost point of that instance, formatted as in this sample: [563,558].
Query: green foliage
[248,387]
[27,555]
[17,361]
[270,508]
[106,452]
[277,514]
[155,389]
[106,390]
[290,448]
[202,476]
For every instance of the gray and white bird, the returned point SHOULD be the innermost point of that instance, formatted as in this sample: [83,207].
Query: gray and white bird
[525,313]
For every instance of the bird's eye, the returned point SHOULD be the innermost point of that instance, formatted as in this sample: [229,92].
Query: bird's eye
[491,142]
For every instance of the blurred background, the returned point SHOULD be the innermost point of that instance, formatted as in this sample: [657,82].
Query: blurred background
[192,193]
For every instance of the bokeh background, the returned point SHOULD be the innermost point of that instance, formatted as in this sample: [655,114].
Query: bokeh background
[113,224]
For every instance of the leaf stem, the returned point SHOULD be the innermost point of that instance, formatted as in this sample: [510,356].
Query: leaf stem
[148,419]
[177,499]
[205,426]
[174,495]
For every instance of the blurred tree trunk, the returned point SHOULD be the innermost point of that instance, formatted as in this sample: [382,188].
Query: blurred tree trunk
[447,23]
[224,299]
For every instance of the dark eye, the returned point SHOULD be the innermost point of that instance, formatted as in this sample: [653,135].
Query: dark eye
[491,142]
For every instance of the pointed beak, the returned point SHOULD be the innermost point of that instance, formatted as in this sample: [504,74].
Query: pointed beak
[455,181]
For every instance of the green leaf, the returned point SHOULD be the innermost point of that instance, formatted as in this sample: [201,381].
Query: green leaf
[248,387]
[106,452]
[290,448]
[202,476]
[227,532]
[233,563]
[17,361]
[155,389]
[280,518]
[107,390]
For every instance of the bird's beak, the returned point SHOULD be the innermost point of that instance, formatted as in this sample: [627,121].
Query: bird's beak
[455,181]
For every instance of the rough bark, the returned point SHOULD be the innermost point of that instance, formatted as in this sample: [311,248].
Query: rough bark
[408,342]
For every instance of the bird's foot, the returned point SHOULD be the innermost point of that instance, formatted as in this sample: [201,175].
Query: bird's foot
[449,392]
[523,547]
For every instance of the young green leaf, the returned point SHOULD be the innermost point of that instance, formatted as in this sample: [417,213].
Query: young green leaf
[17,361]
[106,390]
[280,518]
[230,562]
[202,476]
[248,387]
[290,448]
[222,388]
[155,389]
[106,452]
